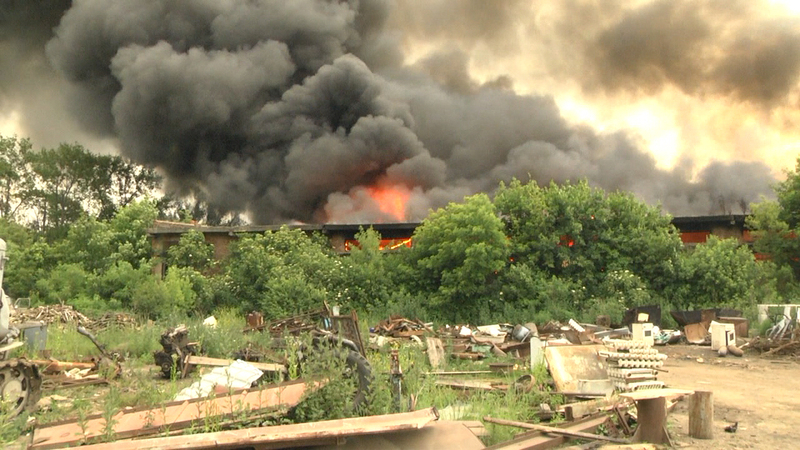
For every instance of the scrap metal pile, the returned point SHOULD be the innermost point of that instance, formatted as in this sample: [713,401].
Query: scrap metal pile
[783,338]
[600,372]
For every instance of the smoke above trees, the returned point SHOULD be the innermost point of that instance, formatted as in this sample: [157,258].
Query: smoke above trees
[298,110]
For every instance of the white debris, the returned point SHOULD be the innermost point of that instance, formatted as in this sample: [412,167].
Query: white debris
[238,375]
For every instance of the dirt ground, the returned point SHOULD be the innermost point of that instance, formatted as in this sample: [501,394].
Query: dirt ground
[762,394]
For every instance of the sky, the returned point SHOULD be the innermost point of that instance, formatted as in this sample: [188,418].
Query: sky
[312,110]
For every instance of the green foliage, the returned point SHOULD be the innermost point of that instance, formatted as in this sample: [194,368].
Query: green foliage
[191,251]
[457,253]
[155,298]
[582,233]
[369,283]
[774,236]
[280,273]
[579,251]
[15,177]
[721,272]
[334,400]
[52,188]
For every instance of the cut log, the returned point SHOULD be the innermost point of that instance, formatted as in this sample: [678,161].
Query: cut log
[701,415]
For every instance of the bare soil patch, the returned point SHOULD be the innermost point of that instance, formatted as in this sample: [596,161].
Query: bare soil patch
[762,394]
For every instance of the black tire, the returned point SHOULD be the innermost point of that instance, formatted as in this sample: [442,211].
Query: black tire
[358,363]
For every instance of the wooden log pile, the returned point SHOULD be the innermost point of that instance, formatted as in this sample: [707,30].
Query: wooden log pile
[66,314]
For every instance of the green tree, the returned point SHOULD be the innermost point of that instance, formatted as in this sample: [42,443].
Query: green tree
[192,251]
[280,273]
[788,192]
[16,179]
[721,273]
[64,180]
[119,182]
[369,284]
[457,253]
[582,233]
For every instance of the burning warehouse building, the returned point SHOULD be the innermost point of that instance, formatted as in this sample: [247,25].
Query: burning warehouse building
[342,237]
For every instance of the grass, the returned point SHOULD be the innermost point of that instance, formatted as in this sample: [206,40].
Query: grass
[143,386]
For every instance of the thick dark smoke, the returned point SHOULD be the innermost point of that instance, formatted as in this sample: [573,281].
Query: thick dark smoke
[719,48]
[292,110]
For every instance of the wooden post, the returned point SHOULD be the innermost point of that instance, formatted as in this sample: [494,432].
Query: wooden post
[701,415]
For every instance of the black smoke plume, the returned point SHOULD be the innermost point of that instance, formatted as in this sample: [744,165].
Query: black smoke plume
[291,110]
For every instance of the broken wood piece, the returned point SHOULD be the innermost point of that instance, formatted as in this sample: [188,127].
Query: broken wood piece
[497,352]
[536,440]
[172,416]
[219,362]
[623,421]
[472,385]
[585,408]
[55,366]
[475,426]
[283,436]
[554,430]
[459,372]
[435,351]
[581,394]
[407,334]
[468,355]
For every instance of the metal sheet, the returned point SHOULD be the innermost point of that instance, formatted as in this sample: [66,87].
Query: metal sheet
[570,363]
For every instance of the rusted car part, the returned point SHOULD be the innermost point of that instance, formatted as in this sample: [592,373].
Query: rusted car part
[20,385]
[20,381]
[176,347]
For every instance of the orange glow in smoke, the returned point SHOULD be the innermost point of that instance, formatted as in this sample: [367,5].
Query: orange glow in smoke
[391,199]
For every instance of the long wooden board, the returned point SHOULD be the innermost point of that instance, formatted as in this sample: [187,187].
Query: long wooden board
[282,436]
[219,362]
[171,416]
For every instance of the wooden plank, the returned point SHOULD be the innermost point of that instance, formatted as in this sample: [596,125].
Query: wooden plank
[435,351]
[475,426]
[53,365]
[535,440]
[585,408]
[282,436]
[172,416]
[459,372]
[470,385]
[219,362]
[654,393]
[554,430]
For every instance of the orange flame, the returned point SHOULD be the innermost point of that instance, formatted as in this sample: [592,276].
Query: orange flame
[391,200]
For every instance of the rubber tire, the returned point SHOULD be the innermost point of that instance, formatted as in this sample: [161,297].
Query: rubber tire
[355,361]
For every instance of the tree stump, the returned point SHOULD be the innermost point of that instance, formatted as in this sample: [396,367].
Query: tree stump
[652,417]
[701,415]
